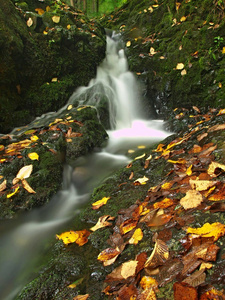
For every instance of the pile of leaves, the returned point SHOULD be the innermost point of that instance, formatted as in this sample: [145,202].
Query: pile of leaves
[184,258]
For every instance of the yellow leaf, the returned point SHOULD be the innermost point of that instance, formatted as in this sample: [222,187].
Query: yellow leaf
[136,237]
[141,147]
[183,72]
[189,170]
[2,147]
[150,9]
[70,107]
[27,187]
[81,297]
[68,26]
[29,22]
[139,157]
[33,156]
[213,166]
[191,200]
[201,185]
[220,85]
[55,79]
[142,180]
[108,254]
[128,44]
[167,185]
[223,50]
[45,32]
[100,203]
[148,282]
[40,11]
[180,66]
[68,237]
[12,194]
[152,51]
[215,230]
[3,185]
[24,172]
[48,8]
[182,19]
[159,255]
[34,138]
[56,19]
[30,131]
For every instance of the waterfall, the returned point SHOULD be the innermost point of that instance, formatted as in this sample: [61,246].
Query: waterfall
[22,239]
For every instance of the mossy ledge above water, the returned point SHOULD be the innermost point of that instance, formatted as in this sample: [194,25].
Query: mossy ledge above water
[42,62]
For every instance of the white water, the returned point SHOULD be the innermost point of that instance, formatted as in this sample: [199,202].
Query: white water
[23,240]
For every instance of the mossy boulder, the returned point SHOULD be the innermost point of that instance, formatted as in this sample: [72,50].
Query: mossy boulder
[164,34]
[43,59]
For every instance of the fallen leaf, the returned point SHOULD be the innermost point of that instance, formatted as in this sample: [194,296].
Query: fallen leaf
[81,297]
[212,168]
[27,187]
[56,19]
[179,66]
[159,255]
[152,51]
[127,226]
[167,202]
[24,172]
[40,11]
[78,237]
[70,107]
[34,138]
[13,193]
[108,254]
[33,156]
[136,237]
[183,72]
[139,157]
[29,22]
[182,288]
[201,185]
[124,271]
[3,185]
[216,127]
[192,199]
[142,180]
[182,19]
[99,203]
[148,282]
[102,222]
[128,44]
[215,230]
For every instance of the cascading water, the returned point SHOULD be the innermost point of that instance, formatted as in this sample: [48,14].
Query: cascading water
[21,239]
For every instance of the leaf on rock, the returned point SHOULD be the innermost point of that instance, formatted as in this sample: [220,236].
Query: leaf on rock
[33,156]
[201,185]
[216,127]
[3,185]
[78,237]
[124,271]
[191,200]
[139,157]
[99,203]
[215,230]
[108,256]
[136,237]
[127,226]
[27,187]
[179,66]
[24,172]
[81,297]
[13,193]
[182,19]
[56,19]
[102,222]
[159,255]
[34,138]
[128,44]
[167,202]
[148,282]
[212,168]
[195,279]
[142,180]
[182,288]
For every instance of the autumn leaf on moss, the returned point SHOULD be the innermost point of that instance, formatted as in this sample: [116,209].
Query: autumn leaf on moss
[182,288]
[33,156]
[215,230]
[78,237]
[27,187]
[99,203]
[23,173]
[3,185]
[81,297]
[108,256]
[192,199]
[142,180]
[136,237]
[102,222]
[159,255]
[216,127]
[56,19]
[167,202]
[40,11]
[201,185]
[128,225]
[124,271]
[213,166]
[13,193]
[148,282]
[218,196]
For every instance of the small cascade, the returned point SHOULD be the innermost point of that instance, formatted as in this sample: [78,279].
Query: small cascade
[22,240]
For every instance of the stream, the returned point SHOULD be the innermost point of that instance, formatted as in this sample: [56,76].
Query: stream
[23,240]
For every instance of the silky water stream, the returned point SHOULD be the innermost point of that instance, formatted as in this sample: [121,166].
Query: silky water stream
[22,240]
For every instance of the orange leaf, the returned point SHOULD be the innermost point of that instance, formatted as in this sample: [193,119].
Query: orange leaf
[181,289]
[108,254]
[78,237]
[81,297]
[128,225]
[40,11]
[159,255]
[164,203]
[148,282]
[218,196]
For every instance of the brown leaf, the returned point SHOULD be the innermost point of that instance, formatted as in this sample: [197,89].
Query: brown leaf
[127,293]
[216,127]
[219,195]
[195,279]
[81,297]
[124,271]
[3,185]
[181,289]
[27,187]
[159,255]
[127,226]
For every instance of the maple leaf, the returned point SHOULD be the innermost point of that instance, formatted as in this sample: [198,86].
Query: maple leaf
[215,230]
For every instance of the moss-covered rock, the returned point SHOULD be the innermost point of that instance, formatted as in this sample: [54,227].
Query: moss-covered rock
[42,59]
